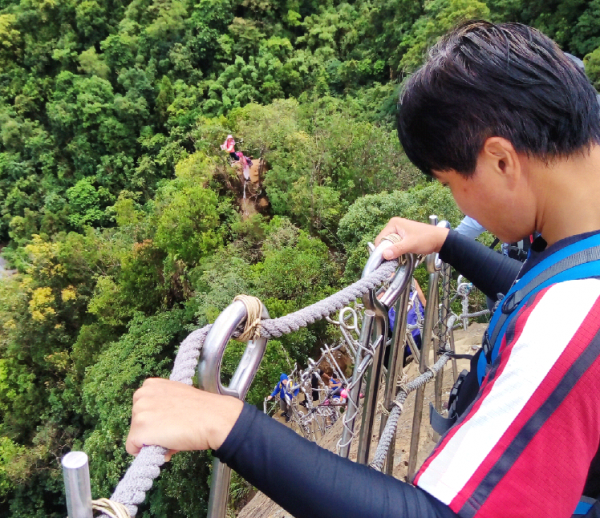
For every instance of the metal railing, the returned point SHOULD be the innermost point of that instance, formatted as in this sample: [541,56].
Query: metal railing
[364,331]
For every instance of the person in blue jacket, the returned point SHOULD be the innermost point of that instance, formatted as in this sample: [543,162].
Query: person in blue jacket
[286,392]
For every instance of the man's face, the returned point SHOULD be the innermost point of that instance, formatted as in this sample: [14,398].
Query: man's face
[284,382]
[503,206]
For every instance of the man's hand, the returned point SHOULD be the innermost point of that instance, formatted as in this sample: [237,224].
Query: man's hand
[417,238]
[179,417]
[269,398]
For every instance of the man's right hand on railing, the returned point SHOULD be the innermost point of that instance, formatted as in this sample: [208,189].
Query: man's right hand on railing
[417,238]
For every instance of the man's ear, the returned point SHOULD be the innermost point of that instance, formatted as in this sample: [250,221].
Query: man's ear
[499,155]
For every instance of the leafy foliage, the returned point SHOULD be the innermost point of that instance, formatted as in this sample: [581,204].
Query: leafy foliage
[123,216]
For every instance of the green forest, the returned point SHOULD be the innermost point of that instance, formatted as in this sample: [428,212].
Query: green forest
[128,227]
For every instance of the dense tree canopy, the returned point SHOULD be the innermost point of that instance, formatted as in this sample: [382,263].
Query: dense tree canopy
[129,228]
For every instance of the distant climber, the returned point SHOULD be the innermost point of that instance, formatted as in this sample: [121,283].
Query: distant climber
[286,391]
[237,156]
[336,392]
[229,146]
[314,385]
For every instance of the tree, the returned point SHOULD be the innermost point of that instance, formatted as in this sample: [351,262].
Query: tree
[439,16]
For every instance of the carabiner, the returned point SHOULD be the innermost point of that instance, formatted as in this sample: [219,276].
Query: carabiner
[209,365]
[209,379]
[399,282]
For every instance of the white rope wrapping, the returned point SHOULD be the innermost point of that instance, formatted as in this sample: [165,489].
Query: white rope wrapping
[254,308]
[110,508]
[131,490]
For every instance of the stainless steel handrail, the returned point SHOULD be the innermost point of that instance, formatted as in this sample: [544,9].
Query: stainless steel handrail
[399,283]
[434,266]
[209,379]
[78,492]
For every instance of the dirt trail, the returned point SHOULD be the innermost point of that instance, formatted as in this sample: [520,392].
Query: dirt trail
[465,341]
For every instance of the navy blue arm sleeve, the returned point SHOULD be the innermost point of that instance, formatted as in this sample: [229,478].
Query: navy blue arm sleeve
[489,271]
[311,482]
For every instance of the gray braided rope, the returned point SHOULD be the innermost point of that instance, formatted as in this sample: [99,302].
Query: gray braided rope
[131,490]
[389,432]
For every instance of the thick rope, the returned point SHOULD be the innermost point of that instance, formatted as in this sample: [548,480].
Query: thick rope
[389,432]
[131,490]
[254,308]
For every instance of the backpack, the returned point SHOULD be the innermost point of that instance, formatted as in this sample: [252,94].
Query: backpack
[580,260]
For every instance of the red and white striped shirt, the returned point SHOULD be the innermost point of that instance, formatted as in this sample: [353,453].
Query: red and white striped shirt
[525,446]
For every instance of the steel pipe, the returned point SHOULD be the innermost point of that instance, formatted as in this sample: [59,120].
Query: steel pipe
[209,379]
[354,396]
[433,265]
[78,491]
[394,367]
[398,284]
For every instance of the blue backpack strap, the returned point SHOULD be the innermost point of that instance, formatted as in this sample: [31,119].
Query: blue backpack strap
[580,260]
[587,507]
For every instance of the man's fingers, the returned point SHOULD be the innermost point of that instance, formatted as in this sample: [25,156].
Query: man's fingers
[131,446]
[394,251]
[169,454]
[137,395]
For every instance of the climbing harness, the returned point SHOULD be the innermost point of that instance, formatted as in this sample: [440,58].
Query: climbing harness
[577,261]
[580,260]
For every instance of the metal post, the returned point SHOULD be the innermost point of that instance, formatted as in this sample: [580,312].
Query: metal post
[78,491]
[354,396]
[444,336]
[432,265]
[450,326]
[395,365]
[437,382]
[209,379]
[430,316]
[397,285]
[372,388]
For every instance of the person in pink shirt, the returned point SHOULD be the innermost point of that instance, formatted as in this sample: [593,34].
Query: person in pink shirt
[237,156]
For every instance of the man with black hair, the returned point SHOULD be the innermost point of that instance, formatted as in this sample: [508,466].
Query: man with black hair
[502,117]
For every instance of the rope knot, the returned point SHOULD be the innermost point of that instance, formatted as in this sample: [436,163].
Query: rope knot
[402,384]
[383,410]
[394,239]
[110,508]
[254,309]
